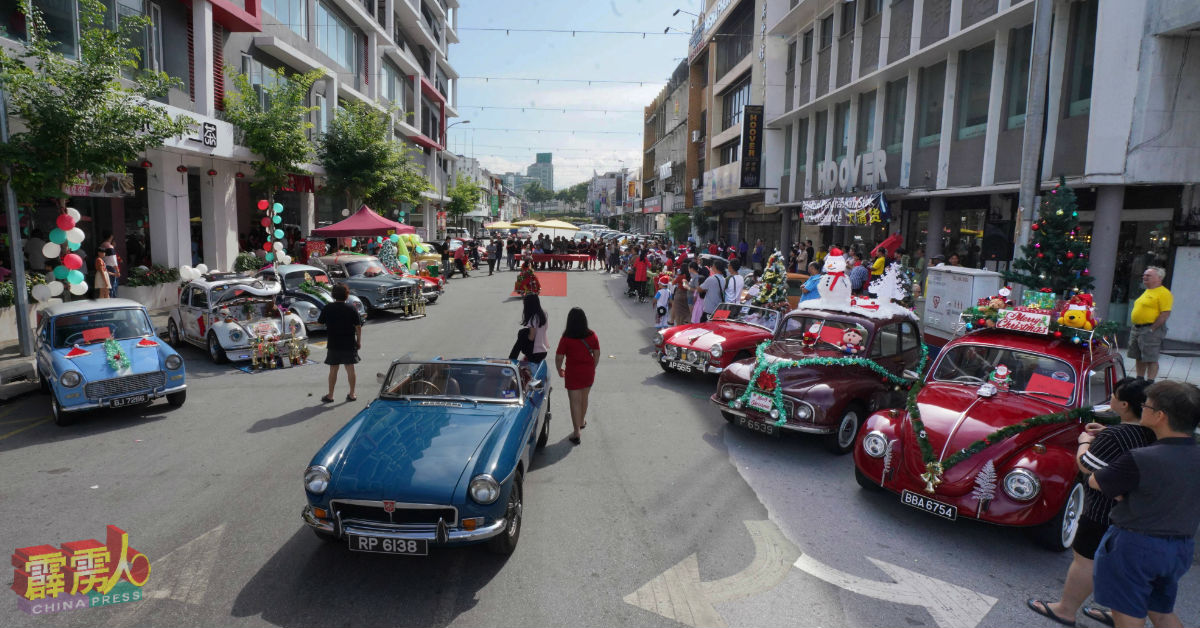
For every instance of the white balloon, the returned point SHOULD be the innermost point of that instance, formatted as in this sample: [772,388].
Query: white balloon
[41,292]
[75,235]
[192,274]
[286,259]
[51,249]
[201,269]
[185,272]
[345,212]
[56,288]
[73,213]
[79,288]
[277,245]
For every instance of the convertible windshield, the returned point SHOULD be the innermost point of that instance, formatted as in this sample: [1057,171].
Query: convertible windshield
[366,268]
[294,280]
[829,333]
[1031,373]
[92,327]
[749,314]
[483,382]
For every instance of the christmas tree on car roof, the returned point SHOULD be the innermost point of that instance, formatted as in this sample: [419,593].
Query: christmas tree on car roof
[1056,257]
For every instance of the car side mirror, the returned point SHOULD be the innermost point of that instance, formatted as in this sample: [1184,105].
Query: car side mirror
[537,384]
[1102,408]
[910,374]
[379,377]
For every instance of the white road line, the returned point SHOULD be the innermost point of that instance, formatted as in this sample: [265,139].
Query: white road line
[181,574]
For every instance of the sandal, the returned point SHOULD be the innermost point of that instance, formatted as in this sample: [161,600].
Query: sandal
[1043,609]
[350,398]
[1098,614]
[327,399]
[574,439]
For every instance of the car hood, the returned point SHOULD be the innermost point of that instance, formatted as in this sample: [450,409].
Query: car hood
[941,406]
[412,453]
[94,366]
[794,380]
[704,335]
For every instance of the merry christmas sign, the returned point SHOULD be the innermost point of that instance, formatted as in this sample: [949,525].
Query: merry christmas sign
[1028,322]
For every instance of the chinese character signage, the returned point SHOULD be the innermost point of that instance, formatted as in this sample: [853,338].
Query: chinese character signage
[751,146]
[208,134]
[847,211]
[79,574]
[108,185]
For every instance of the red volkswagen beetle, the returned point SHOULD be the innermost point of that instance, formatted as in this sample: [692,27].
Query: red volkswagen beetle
[732,334]
[980,383]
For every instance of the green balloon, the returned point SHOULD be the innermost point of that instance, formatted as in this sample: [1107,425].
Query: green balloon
[353,242]
[270,257]
[279,234]
[60,271]
[74,246]
[58,236]
[276,219]
[278,207]
[74,277]
[394,238]
[403,260]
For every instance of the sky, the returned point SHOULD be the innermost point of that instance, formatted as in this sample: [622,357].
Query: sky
[560,56]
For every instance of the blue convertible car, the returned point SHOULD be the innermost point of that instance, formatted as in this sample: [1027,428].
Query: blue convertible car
[437,459]
[104,354]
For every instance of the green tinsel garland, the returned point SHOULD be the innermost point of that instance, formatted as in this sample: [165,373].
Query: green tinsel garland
[772,368]
[116,358]
[315,289]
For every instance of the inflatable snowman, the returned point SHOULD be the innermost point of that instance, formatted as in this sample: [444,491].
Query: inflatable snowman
[835,283]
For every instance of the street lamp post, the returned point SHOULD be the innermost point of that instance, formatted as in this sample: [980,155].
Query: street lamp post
[447,174]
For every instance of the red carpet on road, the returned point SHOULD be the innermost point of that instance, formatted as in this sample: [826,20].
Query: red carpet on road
[553,284]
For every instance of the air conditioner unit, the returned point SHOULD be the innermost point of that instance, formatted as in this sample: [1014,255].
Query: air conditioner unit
[695,136]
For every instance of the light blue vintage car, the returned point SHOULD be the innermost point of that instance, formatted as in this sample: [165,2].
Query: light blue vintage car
[73,365]
[438,459]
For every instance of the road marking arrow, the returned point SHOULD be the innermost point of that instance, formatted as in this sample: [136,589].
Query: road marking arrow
[183,572]
[949,604]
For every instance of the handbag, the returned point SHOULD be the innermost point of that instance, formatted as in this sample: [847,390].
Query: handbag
[523,344]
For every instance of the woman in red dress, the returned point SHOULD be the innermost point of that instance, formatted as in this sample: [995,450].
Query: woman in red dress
[579,349]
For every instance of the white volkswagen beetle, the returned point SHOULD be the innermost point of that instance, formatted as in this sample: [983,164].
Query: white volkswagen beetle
[226,314]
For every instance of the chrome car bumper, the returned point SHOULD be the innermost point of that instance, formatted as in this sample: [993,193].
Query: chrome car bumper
[696,368]
[453,535]
[805,429]
[151,395]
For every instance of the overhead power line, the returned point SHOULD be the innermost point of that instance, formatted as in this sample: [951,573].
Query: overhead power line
[487,79]
[572,31]
[572,131]
[561,109]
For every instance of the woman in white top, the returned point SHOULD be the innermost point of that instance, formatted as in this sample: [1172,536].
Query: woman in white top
[532,339]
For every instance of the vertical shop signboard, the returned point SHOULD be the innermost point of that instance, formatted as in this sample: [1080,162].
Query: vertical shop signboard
[751,176]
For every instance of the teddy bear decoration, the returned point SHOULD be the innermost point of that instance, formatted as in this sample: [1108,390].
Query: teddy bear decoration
[1079,312]
[852,339]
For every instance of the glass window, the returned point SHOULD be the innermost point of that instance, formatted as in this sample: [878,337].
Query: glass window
[1083,52]
[826,31]
[974,87]
[262,78]
[931,85]
[841,129]
[910,337]
[866,122]
[1020,47]
[806,48]
[733,101]
[848,11]
[1099,386]
[871,8]
[336,38]
[731,152]
[887,341]
[802,144]
[290,13]
[60,18]
[787,148]
[790,68]
[154,54]
[895,100]
[1033,374]
[735,40]
[819,137]
[322,113]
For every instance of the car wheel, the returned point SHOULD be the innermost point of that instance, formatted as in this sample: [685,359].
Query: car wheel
[215,351]
[865,482]
[506,542]
[61,418]
[1058,534]
[177,399]
[172,333]
[43,383]
[842,440]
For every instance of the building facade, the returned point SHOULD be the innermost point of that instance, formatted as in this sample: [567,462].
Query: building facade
[664,156]
[543,170]
[911,114]
[190,200]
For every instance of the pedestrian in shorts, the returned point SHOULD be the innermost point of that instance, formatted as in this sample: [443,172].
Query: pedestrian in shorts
[1149,319]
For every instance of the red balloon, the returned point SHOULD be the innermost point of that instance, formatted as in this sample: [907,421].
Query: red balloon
[72,261]
[65,222]
[266,222]
[263,204]
[267,247]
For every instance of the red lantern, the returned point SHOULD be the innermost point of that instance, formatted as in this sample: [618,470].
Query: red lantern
[146,163]
[65,222]
[240,175]
[212,173]
[181,168]
[72,261]
[264,204]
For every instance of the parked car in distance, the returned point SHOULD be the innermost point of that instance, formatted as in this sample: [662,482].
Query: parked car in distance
[72,362]
[732,334]
[524,233]
[226,314]
[438,459]
[368,280]
[306,291]
[1035,482]
[834,400]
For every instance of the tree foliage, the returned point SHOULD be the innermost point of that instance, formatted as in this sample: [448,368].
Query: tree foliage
[679,225]
[77,116]
[278,132]
[535,193]
[1055,258]
[463,196]
[574,195]
[364,164]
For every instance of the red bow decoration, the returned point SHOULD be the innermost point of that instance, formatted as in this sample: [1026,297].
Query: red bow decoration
[767,382]
[1046,290]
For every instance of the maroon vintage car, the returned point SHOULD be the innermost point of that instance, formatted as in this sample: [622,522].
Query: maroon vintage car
[1029,479]
[831,400]
[732,334]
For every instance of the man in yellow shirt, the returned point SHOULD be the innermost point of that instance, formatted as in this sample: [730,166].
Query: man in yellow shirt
[1149,320]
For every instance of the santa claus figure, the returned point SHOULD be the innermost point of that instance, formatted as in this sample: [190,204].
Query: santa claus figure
[835,284]
[809,340]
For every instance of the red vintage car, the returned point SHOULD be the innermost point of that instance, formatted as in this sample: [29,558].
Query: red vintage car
[826,399]
[1028,479]
[732,334]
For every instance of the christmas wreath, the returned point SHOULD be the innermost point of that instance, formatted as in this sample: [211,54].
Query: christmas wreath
[114,356]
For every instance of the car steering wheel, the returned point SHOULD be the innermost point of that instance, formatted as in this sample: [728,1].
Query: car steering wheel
[428,385]
[969,379]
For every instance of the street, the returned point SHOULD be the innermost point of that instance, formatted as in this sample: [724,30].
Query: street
[664,515]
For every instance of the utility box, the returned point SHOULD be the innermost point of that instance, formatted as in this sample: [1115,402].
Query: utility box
[950,290]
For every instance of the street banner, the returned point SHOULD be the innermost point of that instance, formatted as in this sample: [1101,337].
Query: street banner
[751,146]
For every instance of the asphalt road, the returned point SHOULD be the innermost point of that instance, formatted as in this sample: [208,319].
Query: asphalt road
[664,515]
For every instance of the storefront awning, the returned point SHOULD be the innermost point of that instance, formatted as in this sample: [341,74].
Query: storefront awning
[846,211]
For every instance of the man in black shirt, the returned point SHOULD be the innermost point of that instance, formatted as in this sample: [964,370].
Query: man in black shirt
[343,332]
[1150,544]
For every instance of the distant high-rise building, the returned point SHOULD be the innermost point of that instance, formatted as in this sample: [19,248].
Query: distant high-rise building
[543,170]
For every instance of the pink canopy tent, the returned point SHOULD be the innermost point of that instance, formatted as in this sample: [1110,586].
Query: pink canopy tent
[363,222]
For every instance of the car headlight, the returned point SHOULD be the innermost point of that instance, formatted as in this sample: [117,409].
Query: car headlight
[484,489]
[316,479]
[1022,485]
[312,314]
[358,306]
[672,351]
[803,411]
[774,413]
[383,290]
[70,379]
[235,335]
[716,350]
[658,339]
[174,362]
[875,444]
[727,393]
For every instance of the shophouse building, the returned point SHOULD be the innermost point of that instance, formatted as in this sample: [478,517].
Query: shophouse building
[665,143]
[190,200]
[914,111]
